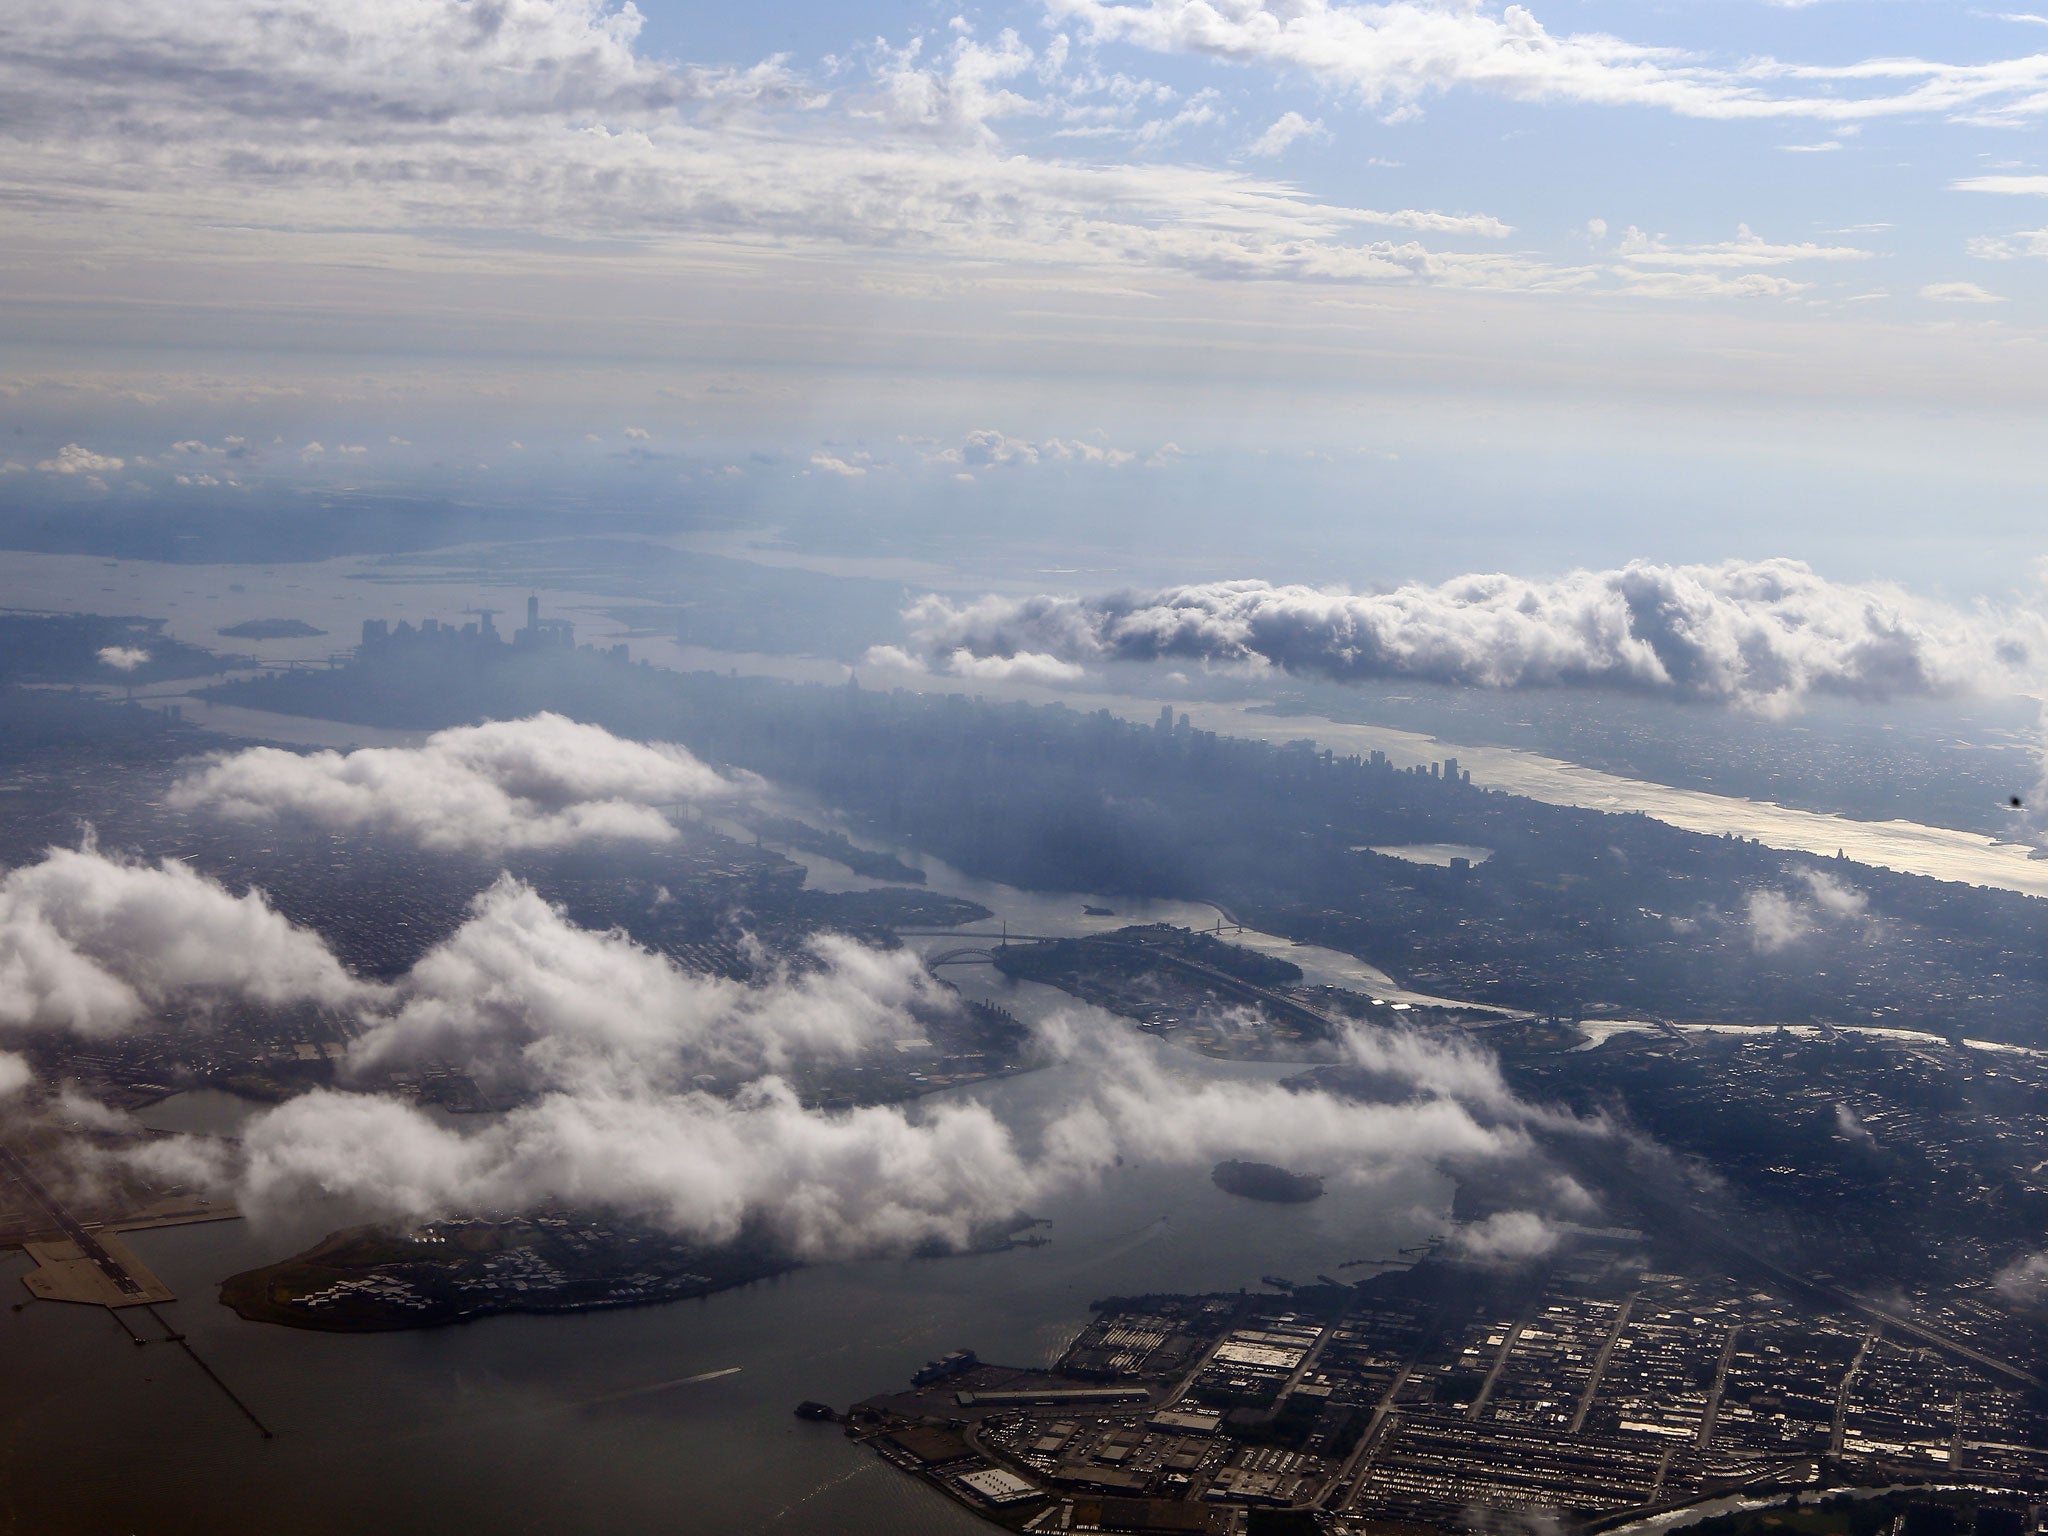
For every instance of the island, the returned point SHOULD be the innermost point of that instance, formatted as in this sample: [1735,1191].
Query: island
[373,1279]
[271,629]
[838,847]
[1263,1181]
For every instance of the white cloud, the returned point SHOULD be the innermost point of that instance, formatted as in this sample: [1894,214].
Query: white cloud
[73,459]
[1832,896]
[1851,1129]
[524,997]
[229,448]
[1395,54]
[833,465]
[862,1181]
[1747,249]
[1025,666]
[2024,1280]
[1508,1237]
[2021,243]
[1197,112]
[1763,636]
[987,448]
[543,782]
[15,1073]
[1959,293]
[609,1041]
[2006,186]
[1776,921]
[1654,267]
[893,658]
[122,658]
[638,434]
[1710,285]
[1286,129]
[957,96]
[555,125]
[1779,919]
[96,945]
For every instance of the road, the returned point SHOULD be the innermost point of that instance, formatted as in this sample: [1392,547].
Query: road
[1676,1212]
[1600,1362]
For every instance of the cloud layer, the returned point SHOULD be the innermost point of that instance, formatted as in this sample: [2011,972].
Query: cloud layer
[549,118]
[546,117]
[1763,636]
[96,945]
[662,1094]
[837,1184]
[524,997]
[1395,54]
[543,782]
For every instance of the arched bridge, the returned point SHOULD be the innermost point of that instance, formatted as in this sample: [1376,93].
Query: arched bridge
[960,957]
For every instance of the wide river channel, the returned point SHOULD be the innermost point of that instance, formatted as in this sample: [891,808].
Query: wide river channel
[666,1418]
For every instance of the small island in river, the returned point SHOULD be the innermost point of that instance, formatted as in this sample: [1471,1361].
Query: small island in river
[1263,1181]
[372,1279]
[272,629]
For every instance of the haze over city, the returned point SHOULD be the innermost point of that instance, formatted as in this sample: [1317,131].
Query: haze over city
[1103,765]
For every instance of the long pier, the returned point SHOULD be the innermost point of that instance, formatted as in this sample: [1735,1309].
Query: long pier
[104,1273]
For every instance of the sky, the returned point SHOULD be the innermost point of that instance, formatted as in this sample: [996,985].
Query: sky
[1303,290]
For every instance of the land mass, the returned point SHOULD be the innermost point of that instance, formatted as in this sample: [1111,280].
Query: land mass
[1263,1181]
[1576,910]
[374,1280]
[838,847]
[271,629]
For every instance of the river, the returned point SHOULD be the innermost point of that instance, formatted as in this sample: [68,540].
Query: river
[609,1421]
[678,1417]
[338,594]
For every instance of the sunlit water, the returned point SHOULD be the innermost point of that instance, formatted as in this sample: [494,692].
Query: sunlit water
[339,594]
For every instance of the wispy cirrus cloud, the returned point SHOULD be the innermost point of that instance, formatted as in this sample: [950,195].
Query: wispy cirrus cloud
[2024,242]
[1285,130]
[988,448]
[545,117]
[2004,184]
[1960,293]
[1397,54]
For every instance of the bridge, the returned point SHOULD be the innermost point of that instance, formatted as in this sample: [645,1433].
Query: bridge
[960,957]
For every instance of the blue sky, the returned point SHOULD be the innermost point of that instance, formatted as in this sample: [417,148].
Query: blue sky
[1392,289]
[1549,167]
